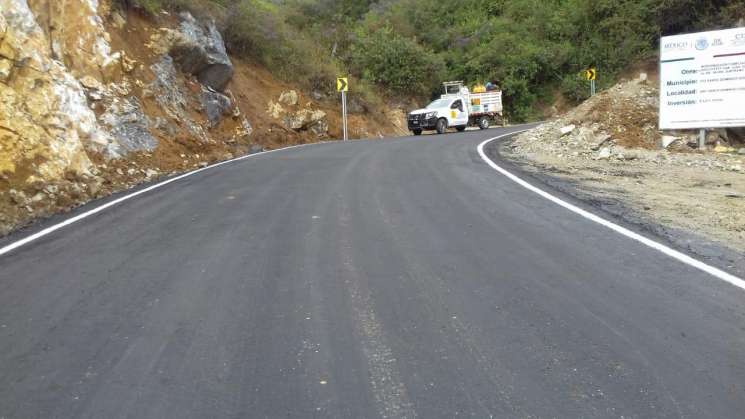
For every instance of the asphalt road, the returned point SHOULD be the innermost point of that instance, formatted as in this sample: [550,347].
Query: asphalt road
[394,278]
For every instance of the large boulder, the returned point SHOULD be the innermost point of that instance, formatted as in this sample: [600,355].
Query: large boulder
[314,121]
[199,49]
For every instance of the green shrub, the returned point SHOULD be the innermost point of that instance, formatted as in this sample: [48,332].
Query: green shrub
[258,30]
[400,64]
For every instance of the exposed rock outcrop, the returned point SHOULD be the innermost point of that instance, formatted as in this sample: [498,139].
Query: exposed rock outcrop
[167,91]
[77,37]
[198,49]
[129,125]
[44,114]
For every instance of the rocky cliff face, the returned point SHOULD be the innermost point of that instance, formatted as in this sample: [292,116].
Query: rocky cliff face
[44,115]
[72,108]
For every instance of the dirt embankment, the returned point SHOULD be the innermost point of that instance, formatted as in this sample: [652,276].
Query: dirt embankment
[610,151]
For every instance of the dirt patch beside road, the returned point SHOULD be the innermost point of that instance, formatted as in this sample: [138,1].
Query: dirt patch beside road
[608,151]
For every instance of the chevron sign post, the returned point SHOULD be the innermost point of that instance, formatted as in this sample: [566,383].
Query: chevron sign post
[342,85]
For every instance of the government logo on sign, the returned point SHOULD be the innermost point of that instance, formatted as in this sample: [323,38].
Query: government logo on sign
[702,44]
[739,40]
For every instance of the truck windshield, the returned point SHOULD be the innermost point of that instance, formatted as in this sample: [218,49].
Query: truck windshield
[440,103]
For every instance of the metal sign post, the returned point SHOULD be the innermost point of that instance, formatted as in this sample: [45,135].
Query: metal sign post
[591,74]
[344,114]
[342,85]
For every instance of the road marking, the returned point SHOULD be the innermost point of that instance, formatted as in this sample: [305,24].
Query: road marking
[724,276]
[49,230]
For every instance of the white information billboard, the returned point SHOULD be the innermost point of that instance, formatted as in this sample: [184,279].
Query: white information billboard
[702,80]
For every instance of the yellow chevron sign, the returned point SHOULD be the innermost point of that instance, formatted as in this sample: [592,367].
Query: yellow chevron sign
[591,74]
[342,84]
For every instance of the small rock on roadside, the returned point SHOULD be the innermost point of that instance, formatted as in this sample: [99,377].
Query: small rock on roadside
[567,129]
[667,140]
[604,153]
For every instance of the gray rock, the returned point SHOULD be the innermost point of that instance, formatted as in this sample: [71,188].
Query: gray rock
[666,141]
[215,105]
[604,153]
[741,151]
[567,130]
[167,91]
[129,125]
[201,51]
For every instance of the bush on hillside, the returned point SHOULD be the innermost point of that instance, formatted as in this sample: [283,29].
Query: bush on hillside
[257,29]
[393,61]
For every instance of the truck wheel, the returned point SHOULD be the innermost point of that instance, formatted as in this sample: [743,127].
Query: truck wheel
[484,123]
[417,132]
[442,126]
[461,128]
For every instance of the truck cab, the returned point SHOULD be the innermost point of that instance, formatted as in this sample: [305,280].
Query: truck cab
[457,108]
[439,115]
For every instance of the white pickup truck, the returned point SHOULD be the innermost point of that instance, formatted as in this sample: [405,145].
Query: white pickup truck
[457,108]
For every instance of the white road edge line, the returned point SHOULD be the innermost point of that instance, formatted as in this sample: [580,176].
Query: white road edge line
[724,276]
[49,230]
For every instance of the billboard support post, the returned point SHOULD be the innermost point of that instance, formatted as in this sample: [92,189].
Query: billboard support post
[702,139]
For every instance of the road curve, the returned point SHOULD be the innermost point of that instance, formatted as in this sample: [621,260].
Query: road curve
[398,278]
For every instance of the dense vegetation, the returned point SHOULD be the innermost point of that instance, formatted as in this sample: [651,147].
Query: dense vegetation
[532,48]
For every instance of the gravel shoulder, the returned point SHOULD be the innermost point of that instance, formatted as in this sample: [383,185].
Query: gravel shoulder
[684,198]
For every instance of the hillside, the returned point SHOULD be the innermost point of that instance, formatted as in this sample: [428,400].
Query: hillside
[97,98]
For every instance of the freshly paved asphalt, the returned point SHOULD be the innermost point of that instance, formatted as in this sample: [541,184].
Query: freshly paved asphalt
[392,278]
